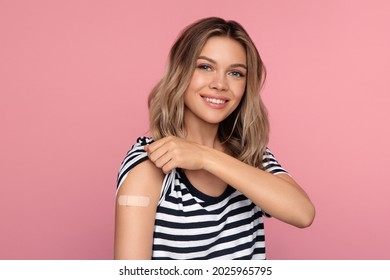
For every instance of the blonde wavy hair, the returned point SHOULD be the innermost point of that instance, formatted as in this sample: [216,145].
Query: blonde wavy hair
[245,133]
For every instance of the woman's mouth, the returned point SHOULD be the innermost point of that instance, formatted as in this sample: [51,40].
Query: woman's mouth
[215,100]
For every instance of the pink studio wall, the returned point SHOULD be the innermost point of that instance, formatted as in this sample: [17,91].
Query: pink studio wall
[74,79]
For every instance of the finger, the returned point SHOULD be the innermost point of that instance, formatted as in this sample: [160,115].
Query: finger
[167,168]
[163,160]
[158,144]
[156,154]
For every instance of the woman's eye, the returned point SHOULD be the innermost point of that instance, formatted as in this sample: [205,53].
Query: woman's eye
[204,67]
[236,74]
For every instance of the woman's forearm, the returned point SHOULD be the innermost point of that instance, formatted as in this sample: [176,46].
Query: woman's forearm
[278,195]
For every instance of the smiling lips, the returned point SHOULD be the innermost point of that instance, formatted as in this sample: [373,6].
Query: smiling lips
[215,101]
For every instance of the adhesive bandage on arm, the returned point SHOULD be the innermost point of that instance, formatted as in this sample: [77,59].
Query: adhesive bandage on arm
[133,200]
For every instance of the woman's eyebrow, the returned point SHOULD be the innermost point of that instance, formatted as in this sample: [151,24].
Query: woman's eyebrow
[214,62]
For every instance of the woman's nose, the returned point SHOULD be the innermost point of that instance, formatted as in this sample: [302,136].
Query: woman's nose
[219,82]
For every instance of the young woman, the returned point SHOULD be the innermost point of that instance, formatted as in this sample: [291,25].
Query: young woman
[201,185]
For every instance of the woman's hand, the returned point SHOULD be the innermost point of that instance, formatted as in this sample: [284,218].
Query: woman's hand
[173,152]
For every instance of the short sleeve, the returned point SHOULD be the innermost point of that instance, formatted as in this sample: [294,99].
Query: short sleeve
[271,165]
[134,156]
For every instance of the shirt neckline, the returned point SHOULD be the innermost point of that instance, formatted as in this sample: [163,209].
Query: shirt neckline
[204,197]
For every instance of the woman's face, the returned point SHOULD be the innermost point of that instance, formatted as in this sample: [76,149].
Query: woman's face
[218,82]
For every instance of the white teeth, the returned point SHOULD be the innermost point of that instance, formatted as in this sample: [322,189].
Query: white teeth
[215,101]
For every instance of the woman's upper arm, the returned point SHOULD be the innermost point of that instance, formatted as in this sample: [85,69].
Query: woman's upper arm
[135,210]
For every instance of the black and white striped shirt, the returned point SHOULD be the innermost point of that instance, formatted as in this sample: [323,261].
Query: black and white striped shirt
[192,225]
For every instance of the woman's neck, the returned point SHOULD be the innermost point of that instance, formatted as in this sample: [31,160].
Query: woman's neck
[201,132]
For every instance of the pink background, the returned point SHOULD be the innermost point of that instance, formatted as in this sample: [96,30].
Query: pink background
[74,79]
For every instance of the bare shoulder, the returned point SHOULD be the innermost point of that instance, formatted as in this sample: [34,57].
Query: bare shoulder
[144,179]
